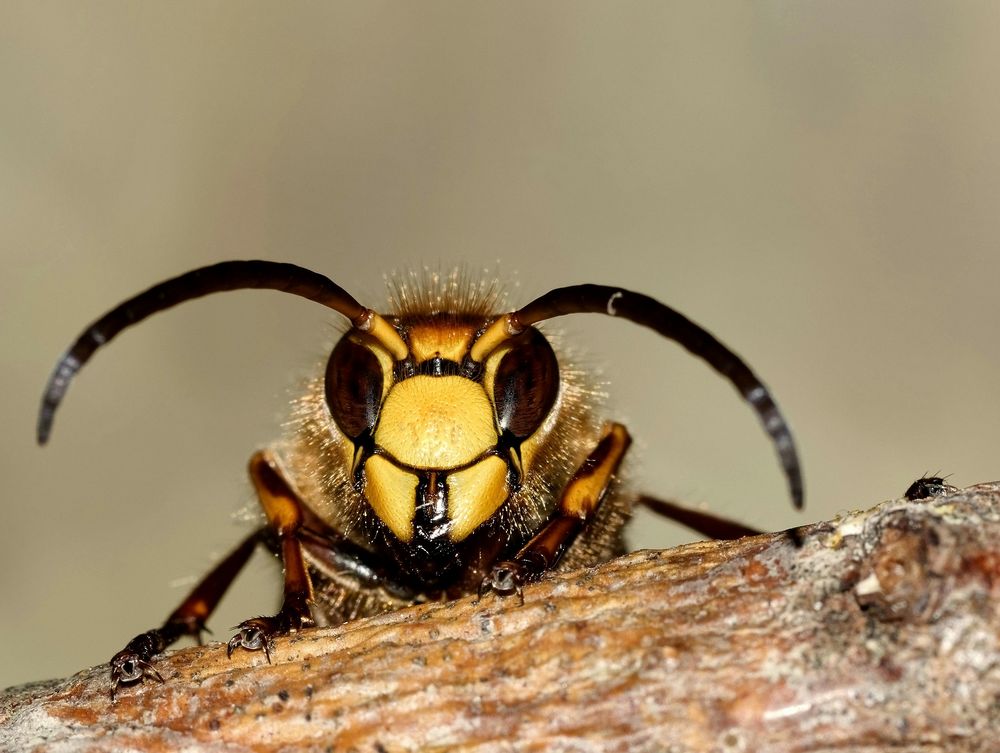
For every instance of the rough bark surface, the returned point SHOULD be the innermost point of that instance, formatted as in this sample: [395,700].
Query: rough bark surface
[877,631]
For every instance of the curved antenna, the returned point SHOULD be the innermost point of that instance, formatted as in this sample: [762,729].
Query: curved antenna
[641,309]
[216,278]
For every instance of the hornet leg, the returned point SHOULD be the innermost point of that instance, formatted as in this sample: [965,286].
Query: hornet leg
[134,662]
[577,505]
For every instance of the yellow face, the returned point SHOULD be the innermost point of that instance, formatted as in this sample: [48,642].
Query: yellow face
[439,442]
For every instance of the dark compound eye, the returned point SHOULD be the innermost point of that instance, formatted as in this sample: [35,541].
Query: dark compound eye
[526,384]
[353,387]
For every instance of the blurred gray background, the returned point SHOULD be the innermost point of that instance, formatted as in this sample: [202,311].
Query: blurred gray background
[817,183]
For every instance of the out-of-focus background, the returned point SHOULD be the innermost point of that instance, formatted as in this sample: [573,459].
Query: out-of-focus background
[817,183]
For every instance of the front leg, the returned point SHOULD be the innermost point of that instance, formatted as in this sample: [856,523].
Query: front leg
[577,505]
[284,513]
[134,662]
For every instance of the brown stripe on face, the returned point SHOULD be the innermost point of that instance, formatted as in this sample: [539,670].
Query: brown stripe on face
[447,340]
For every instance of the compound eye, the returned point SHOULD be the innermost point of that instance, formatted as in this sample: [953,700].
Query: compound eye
[353,387]
[526,384]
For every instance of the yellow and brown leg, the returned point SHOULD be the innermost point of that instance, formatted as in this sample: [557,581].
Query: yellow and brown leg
[284,518]
[133,663]
[284,513]
[577,505]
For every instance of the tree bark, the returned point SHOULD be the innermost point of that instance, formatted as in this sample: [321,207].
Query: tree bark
[875,631]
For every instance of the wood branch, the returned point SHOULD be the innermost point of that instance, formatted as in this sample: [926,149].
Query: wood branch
[878,630]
